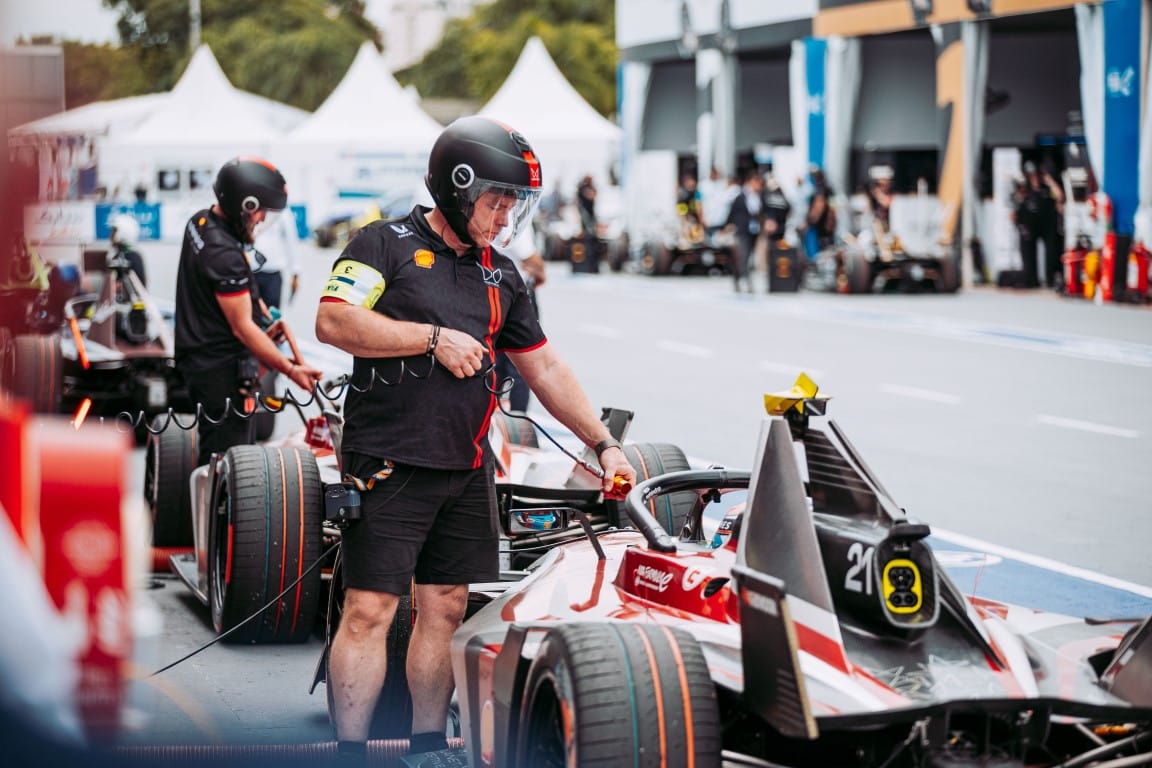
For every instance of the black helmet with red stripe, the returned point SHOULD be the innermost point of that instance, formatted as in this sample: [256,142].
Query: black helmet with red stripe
[477,155]
[246,185]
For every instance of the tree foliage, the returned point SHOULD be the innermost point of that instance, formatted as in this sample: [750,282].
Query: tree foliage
[297,51]
[477,52]
[294,51]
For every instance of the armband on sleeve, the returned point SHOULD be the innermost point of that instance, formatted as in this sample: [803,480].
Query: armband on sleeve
[355,283]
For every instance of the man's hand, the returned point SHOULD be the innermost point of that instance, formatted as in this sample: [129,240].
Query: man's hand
[304,375]
[459,353]
[615,464]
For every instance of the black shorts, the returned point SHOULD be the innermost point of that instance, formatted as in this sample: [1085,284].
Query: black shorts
[438,525]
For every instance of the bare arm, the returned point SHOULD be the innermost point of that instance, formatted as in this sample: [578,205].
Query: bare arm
[238,311]
[555,384]
[365,333]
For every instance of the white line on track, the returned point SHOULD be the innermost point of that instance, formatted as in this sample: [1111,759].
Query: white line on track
[791,369]
[1041,562]
[920,394]
[1087,426]
[604,331]
[679,347]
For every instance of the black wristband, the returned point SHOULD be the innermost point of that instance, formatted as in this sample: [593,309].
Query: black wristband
[604,445]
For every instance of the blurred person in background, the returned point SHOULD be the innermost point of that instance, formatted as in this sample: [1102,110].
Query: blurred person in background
[820,221]
[124,236]
[1038,203]
[220,327]
[880,195]
[746,216]
[716,194]
[278,246]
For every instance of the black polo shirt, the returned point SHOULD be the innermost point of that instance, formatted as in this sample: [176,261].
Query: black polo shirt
[413,411]
[212,263]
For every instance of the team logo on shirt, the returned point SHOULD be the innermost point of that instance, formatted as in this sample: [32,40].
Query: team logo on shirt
[492,277]
[424,258]
[402,230]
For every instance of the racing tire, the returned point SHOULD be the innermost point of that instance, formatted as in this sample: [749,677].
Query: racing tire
[265,532]
[169,458]
[37,371]
[518,431]
[618,694]
[949,279]
[655,259]
[650,460]
[392,718]
[858,271]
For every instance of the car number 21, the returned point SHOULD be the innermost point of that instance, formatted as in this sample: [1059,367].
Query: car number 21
[859,576]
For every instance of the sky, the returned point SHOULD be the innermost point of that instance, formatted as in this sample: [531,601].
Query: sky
[84,20]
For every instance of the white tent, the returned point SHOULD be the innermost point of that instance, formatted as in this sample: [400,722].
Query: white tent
[203,121]
[569,136]
[370,137]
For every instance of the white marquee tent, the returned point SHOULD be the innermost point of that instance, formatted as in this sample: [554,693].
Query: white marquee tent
[370,137]
[203,121]
[569,136]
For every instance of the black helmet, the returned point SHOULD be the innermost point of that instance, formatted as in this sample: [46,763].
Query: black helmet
[475,155]
[246,185]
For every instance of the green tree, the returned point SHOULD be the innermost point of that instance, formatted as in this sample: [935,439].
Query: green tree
[477,52]
[294,51]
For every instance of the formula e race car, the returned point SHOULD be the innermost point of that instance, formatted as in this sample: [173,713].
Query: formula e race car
[263,521]
[811,626]
[108,349]
[874,259]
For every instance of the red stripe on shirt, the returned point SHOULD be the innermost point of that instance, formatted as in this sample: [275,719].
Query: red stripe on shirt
[495,315]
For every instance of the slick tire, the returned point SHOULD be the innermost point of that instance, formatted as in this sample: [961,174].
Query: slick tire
[517,431]
[392,718]
[169,458]
[37,371]
[949,279]
[650,460]
[858,271]
[265,532]
[618,694]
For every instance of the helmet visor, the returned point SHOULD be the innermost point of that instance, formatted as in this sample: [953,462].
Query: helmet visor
[265,224]
[498,212]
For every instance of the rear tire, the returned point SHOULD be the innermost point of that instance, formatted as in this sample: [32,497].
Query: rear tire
[650,460]
[37,371]
[265,532]
[618,694]
[858,271]
[170,457]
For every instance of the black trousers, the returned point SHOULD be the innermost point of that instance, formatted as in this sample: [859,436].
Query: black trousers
[217,393]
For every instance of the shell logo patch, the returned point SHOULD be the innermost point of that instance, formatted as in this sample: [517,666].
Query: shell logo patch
[424,258]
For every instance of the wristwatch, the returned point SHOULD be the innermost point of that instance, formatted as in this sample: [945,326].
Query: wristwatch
[604,445]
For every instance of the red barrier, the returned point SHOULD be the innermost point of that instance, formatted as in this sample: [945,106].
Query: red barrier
[63,489]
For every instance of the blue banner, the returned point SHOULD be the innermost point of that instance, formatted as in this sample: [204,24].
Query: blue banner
[814,50]
[1122,89]
[147,215]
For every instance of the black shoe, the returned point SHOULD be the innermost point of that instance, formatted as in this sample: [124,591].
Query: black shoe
[441,758]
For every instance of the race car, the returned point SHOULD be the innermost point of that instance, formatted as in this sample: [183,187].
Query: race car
[262,523]
[810,626]
[107,350]
[875,259]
